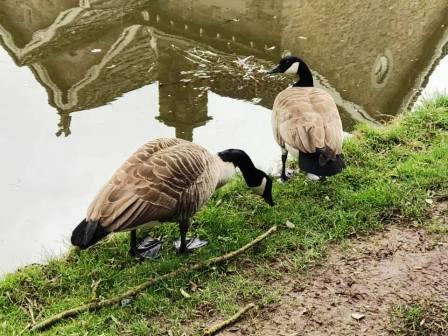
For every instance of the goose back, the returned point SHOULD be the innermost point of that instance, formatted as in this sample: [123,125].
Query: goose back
[305,119]
[164,179]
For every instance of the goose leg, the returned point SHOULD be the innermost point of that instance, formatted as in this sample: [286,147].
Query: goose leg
[185,244]
[148,248]
[133,243]
[284,158]
[183,228]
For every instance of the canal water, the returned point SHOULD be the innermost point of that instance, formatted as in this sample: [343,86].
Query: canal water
[86,82]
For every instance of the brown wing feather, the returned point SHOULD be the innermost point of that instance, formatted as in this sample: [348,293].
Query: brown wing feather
[150,184]
[306,119]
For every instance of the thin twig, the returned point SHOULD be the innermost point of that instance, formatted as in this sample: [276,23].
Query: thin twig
[30,309]
[25,329]
[94,305]
[95,288]
[219,326]
[31,314]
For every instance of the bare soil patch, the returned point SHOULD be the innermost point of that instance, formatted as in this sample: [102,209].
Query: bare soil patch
[353,292]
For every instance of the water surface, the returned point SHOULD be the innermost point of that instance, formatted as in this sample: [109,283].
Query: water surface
[84,83]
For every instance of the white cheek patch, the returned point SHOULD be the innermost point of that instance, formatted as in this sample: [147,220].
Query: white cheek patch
[293,68]
[260,189]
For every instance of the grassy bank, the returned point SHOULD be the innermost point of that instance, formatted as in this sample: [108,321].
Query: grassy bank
[420,319]
[393,174]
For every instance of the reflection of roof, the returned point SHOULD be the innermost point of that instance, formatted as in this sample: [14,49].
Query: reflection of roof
[423,78]
[40,38]
[70,25]
[123,68]
[375,53]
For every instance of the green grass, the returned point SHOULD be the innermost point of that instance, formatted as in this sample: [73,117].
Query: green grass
[424,318]
[391,171]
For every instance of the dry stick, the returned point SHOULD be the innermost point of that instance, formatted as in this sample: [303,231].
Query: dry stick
[31,314]
[94,305]
[219,326]
[30,309]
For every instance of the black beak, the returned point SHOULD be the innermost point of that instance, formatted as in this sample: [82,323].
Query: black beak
[275,70]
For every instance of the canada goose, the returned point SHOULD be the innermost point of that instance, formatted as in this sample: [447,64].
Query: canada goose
[306,123]
[165,179]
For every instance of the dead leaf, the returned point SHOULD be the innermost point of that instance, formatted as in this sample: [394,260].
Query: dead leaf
[116,321]
[358,316]
[193,287]
[185,294]
[290,225]
[429,201]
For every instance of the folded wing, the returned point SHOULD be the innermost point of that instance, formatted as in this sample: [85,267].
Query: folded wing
[150,185]
[306,119]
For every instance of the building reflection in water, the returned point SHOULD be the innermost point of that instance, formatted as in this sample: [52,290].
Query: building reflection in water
[88,53]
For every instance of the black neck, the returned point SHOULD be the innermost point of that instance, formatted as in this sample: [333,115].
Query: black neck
[305,76]
[240,159]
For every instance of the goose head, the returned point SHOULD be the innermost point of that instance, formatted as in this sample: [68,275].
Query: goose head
[296,66]
[264,188]
[257,180]
[288,64]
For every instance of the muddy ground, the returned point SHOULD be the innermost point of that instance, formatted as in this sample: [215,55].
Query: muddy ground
[353,292]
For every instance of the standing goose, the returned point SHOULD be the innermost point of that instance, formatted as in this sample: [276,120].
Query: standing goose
[165,179]
[306,123]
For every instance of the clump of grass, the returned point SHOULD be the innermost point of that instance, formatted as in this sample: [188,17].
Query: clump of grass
[391,171]
[420,319]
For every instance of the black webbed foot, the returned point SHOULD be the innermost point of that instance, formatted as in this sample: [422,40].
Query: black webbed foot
[287,175]
[148,248]
[191,244]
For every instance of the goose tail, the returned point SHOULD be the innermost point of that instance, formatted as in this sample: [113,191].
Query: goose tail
[340,162]
[323,162]
[87,233]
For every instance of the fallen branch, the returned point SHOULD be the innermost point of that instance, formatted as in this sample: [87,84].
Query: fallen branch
[219,326]
[95,305]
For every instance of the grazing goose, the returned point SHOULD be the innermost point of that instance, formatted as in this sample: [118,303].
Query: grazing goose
[306,123]
[165,179]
